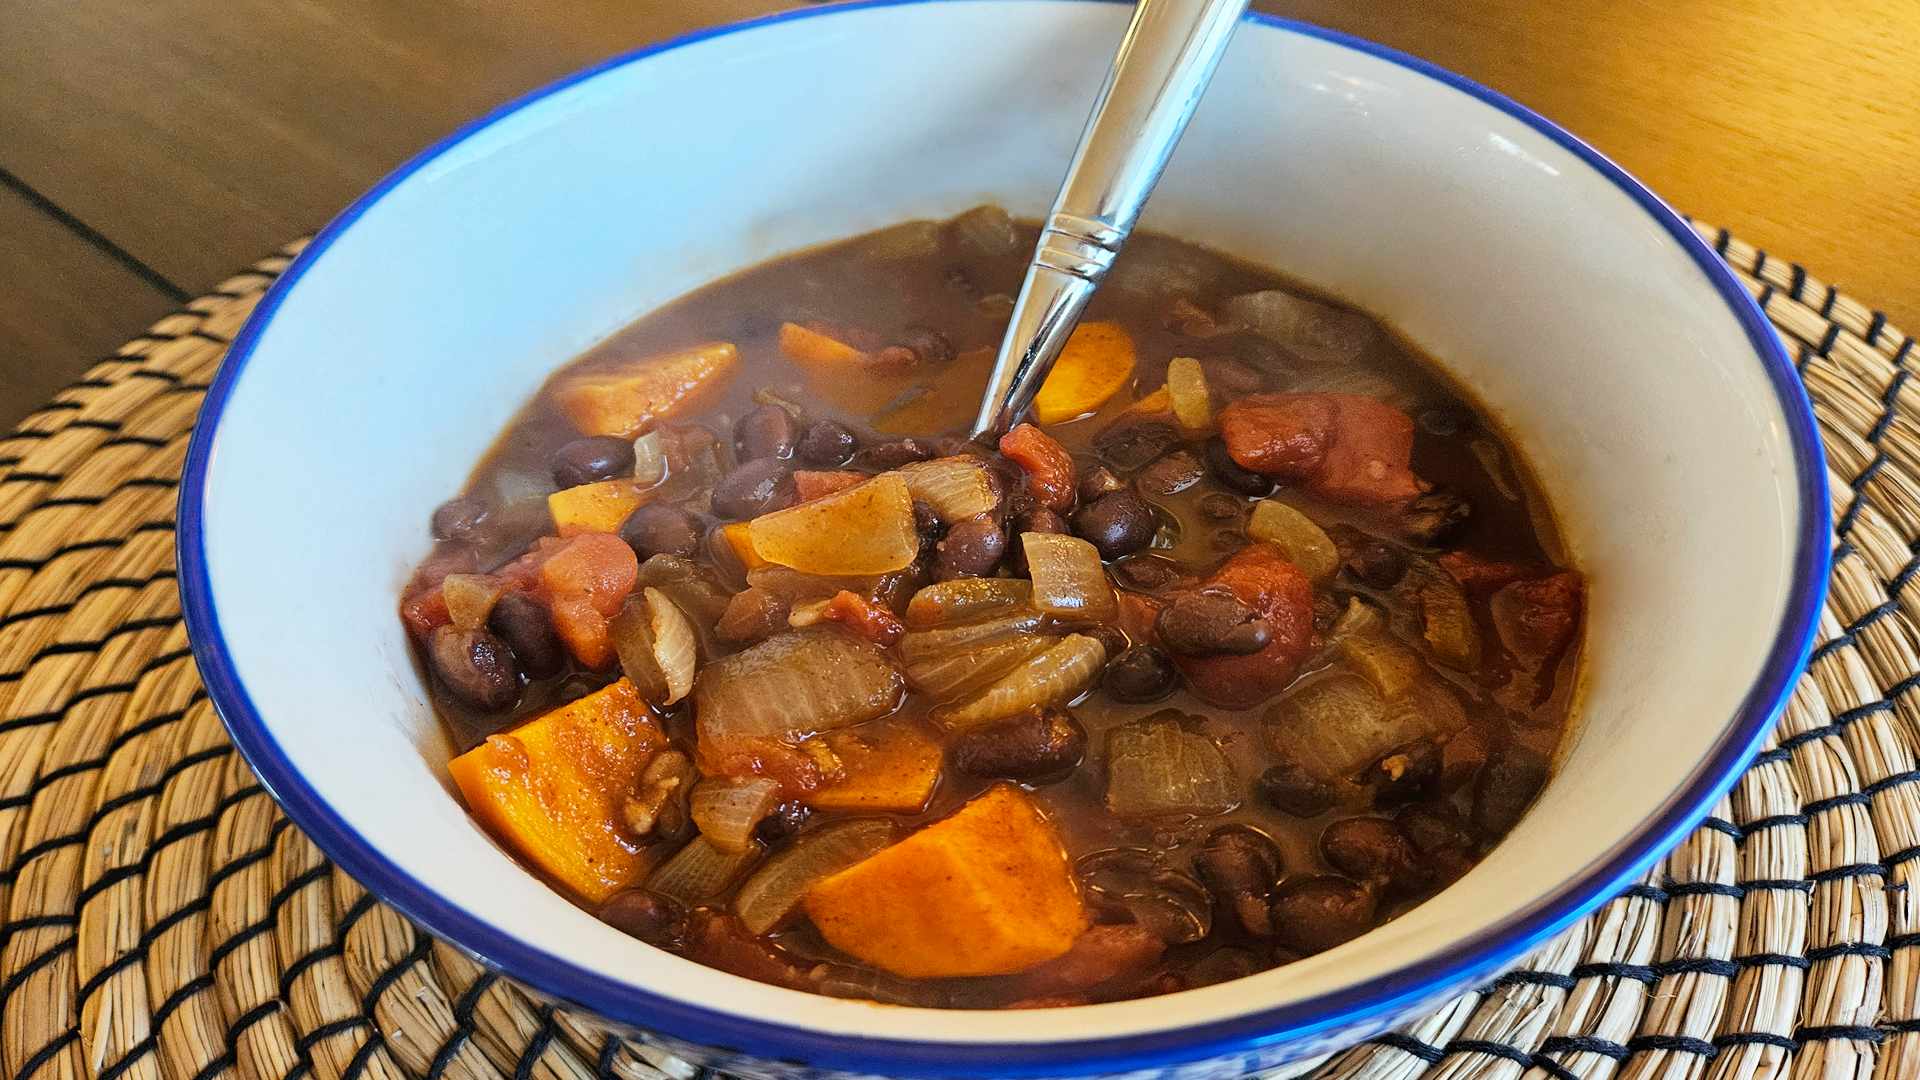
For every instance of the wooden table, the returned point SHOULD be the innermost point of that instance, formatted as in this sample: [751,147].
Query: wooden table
[150,148]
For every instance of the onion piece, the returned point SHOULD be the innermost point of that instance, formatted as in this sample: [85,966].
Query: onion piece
[966,598]
[1450,629]
[1315,332]
[726,811]
[1167,764]
[649,458]
[795,684]
[1337,723]
[1187,393]
[1068,579]
[777,887]
[921,646]
[959,673]
[1054,677]
[1305,544]
[673,645]
[1362,640]
[908,240]
[633,641]
[470,598]
[956,487]
[700,871]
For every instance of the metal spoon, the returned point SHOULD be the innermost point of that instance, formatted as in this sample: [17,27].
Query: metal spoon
[1165,61]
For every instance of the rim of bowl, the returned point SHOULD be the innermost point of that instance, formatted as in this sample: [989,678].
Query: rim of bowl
[1475,954]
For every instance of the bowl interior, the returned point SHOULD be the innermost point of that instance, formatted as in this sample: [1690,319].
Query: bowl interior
[433,312]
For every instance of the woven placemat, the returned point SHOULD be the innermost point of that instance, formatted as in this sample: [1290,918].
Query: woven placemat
[163,921]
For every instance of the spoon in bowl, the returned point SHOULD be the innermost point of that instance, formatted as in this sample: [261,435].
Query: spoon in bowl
[1165,60]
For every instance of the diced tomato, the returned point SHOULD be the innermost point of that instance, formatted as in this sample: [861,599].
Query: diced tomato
[1346,447]
[1480,577]
[1279,592]
[421,606]
[1048,466]
[588,579]
[865,618]
[422,611]
[810,485]
[1537,619]
[1137,613]
[747,756]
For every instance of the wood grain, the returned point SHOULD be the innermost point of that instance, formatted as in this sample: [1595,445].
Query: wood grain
[63,305]
[199,133]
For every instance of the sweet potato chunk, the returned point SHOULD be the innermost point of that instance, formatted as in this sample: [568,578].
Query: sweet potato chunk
[867,529]
[1261,578]
[885,766]
[986,891]
[597,507]
[552,788]
[1095,365]
[818,354]
[1346,447]
[629,402]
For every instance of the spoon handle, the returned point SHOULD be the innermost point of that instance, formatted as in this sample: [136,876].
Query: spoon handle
[1169,53]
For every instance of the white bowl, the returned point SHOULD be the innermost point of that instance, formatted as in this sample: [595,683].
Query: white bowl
[1663,419]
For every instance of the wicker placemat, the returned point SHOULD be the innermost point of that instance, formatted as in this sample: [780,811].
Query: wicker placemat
[164,922]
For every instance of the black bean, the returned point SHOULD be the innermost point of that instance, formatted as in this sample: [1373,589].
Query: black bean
[928,345]
[894,453]
[1506,787]
[957,279]
[1221,965]
[1374,561]
[971,548]
[1039,519]
[1129,448]
[826,445]
[526,625]
[1173,473]
[1036,746]
[1119,524]
[476,667]
[1218,506]
[1404,774]
[1290,789]
[1099,481]
[755,488]
[1135,885]
[1229,378]
[1112,639]
[1151,573]
[1139,675]
[767,431]
[783,824]
[1240,865]
[662,529]
[1314,912]
[927,523]
[589,461]
[1369,849]
[1200,624]
[1436,517]
[1006,477]
[638,913]
[459,520]
[1231,473]
[1432,827]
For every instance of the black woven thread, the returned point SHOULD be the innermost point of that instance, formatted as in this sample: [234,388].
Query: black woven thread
[1755,1038]
[1585,1044]
[1839,1031]
[536,1046]
[1673,1044]
[1773,960]
[1407,1044]
[1529,977]
[463,1010]
[1491,1049]
[1722,825]
[46,1054]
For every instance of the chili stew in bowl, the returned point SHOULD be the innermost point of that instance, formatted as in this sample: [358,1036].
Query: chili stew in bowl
[1254,638]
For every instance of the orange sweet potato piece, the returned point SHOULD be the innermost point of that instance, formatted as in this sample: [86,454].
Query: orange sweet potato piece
[818,354]
[887,766]
[552,789]
[986,891]
[1261,578]
[1096,364]
[630,401]
[737,537]
[1049,468]
[1158,403]
[1346,447]
[587,579]
[597,507]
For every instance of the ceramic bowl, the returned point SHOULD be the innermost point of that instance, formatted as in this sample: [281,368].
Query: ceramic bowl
[1663,420]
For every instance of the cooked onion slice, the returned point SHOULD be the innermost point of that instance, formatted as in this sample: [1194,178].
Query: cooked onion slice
[961,672]
[795,684]
[777,887]
[700,872]
[726,811]
[956,487]
[1068,580]
[924,645]
[961,599]
[674,648]
[1305,544]
[1055,677]
[1167,764]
